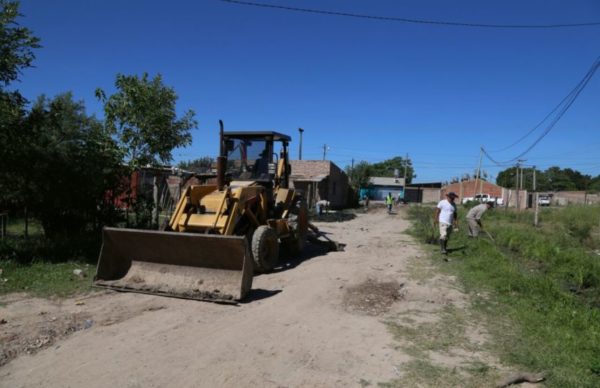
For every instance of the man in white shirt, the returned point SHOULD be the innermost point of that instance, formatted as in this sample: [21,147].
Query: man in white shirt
[446,217]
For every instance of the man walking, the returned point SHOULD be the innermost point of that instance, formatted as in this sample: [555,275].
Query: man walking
[474,218]
[446,217]
[389,201]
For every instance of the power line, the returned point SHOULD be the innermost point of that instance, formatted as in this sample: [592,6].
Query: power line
[408,20]
[544,119]
[562,108]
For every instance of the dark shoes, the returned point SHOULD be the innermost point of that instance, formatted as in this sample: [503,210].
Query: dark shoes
[443,244]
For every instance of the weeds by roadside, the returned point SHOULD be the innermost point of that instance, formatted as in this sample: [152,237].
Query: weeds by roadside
[544,281]
[45,279]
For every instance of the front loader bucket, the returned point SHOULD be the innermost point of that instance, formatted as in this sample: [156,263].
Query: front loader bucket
[185,265]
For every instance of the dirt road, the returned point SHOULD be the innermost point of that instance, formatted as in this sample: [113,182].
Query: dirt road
[334,320]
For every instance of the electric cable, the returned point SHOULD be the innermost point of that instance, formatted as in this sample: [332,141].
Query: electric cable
[562,109]
[409,20]
[544,119]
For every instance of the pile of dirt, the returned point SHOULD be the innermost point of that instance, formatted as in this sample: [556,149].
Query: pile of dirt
[372,297]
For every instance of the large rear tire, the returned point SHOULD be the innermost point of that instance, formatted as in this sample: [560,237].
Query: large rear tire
[298,222]
[265,248]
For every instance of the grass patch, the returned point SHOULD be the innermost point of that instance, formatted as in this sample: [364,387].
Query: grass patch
[44,279]
[16,227]
[542,288]
[446,332]
[419,271]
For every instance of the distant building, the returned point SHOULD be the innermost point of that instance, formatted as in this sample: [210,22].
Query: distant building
[320,180]
[379,187]
[562,198]
[427,192]
[470,188]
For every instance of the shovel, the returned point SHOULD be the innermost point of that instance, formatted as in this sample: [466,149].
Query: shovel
[489,235]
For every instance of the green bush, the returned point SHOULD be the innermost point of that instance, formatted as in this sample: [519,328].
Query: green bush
[85,247]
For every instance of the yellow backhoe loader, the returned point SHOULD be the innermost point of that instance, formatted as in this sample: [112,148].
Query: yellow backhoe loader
[219,234]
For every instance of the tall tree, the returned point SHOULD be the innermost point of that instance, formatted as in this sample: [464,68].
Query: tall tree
[595,184]
[143,117]
[360,174]
[16,43]
[388,168]
[201,165]
[17,46]
[552,179]
[70,164]
[559,180]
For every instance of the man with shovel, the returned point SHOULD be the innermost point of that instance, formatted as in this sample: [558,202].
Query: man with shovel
[474,218]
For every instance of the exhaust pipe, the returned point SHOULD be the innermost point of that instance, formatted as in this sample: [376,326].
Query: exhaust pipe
[221,159]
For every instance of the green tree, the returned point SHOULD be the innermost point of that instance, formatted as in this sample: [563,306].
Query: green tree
[580,180]
[201,165]
[552,179]
[71,164]
[388,167]
[17,46]
[16,43]
[595,184]
[360,174]
[142,115]
[506,178]
[558,180]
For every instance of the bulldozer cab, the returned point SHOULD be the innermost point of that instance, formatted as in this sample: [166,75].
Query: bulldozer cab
[257,156]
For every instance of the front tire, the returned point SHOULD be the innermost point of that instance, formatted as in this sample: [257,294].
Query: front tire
[265,248]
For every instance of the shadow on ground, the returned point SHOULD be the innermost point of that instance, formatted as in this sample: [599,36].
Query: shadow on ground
[334,216]
[310,251]
[457,249]
[259,294]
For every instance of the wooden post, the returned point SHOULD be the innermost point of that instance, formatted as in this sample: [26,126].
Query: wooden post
[405,168]
[26,222]
[517,188]
[478,171]
[535,198]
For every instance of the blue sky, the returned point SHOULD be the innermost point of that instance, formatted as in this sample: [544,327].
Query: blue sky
[368,89]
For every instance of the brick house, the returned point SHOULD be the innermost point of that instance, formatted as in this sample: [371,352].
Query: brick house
[320,180]
[473,187]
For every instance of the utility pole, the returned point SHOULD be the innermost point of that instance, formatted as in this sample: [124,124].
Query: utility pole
[478,170]
[535,198]
[517,185]
[405,168]
[519,181]
[300,148]
[325,148]
[351,171]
